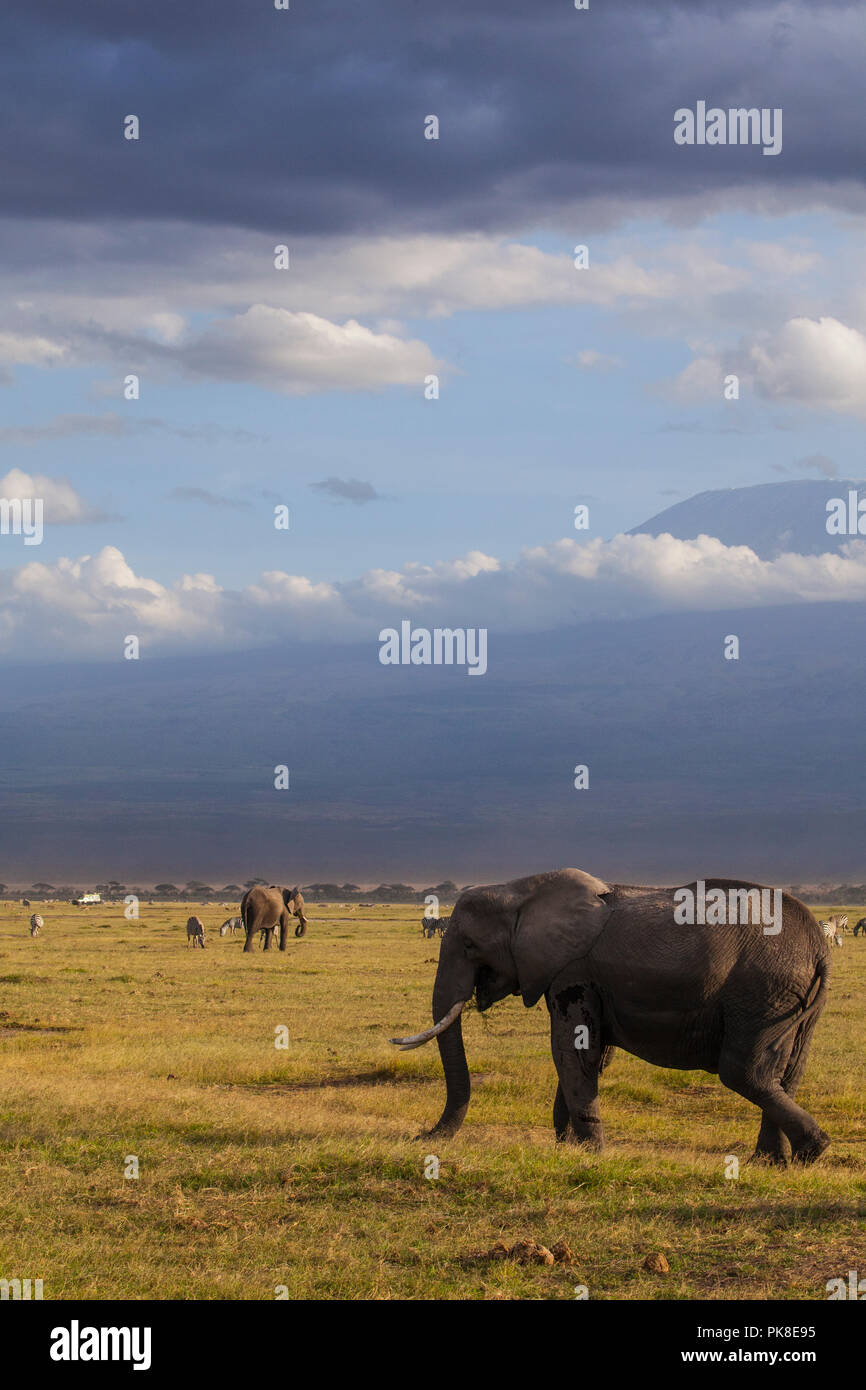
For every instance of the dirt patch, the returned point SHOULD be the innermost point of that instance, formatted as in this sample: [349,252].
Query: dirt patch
[364,1078]
[10,1030]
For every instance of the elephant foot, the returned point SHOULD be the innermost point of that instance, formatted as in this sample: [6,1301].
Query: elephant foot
[591,1143]
[812,1148]
[768,1158]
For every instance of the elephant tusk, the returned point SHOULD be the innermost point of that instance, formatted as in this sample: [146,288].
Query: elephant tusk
[418,1039]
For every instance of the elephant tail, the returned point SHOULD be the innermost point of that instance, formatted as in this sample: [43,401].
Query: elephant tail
[813,1003]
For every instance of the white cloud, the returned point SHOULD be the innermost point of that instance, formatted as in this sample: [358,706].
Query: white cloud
[61,503]
[29,350]
[298,353]
[819,363]
[592,361]
[89,605]
[304,330]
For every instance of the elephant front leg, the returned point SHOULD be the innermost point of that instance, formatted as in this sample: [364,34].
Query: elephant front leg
[561,1118]
[576,1044]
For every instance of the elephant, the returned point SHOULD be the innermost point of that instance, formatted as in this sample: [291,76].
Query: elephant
[262,909]
[617,969]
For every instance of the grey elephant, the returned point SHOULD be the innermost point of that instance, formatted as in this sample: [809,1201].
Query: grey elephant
[620,967]
[263,909]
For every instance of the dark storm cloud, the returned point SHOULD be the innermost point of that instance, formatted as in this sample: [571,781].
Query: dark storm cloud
[311,120]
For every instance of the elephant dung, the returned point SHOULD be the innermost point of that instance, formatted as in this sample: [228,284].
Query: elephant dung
[527,1252]
[657,1264]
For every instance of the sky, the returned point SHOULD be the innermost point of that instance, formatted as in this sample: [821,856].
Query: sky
[407,256]
[306,387]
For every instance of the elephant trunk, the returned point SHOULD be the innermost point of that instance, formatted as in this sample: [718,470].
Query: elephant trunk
[455,982]
[454,987]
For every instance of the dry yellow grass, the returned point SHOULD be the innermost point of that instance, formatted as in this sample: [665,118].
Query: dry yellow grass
[262,1169]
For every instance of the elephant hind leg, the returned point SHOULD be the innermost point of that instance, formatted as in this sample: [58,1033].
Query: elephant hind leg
[773,1144]
[746,1073]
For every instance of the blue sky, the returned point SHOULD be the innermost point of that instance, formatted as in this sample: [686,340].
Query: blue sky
[519,434]
[304,387]
[558,386]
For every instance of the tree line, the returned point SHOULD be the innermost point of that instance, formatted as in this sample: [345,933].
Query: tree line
[197,891]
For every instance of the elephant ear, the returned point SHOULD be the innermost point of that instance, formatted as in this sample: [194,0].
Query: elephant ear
[558,922]
[289,895]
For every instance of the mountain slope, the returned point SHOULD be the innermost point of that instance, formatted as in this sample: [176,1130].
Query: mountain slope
[770,518]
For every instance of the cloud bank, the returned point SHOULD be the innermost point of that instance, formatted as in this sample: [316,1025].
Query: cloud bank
[90,604]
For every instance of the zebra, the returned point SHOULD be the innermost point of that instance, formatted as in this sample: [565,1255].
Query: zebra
[35,923]
[840,921]
[434,926]
[231,926]
[860,928]
[195,932]
[829,930]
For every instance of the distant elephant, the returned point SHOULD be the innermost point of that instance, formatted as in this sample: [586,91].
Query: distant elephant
[36,924]
[195,932]
[263,909]
[231,926]
[617,969]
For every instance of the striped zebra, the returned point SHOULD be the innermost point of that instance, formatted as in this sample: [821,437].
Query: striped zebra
[860,927]
[829,930]
[434,926]
[233,924]
[840,921]
[195,932]
[36,923]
